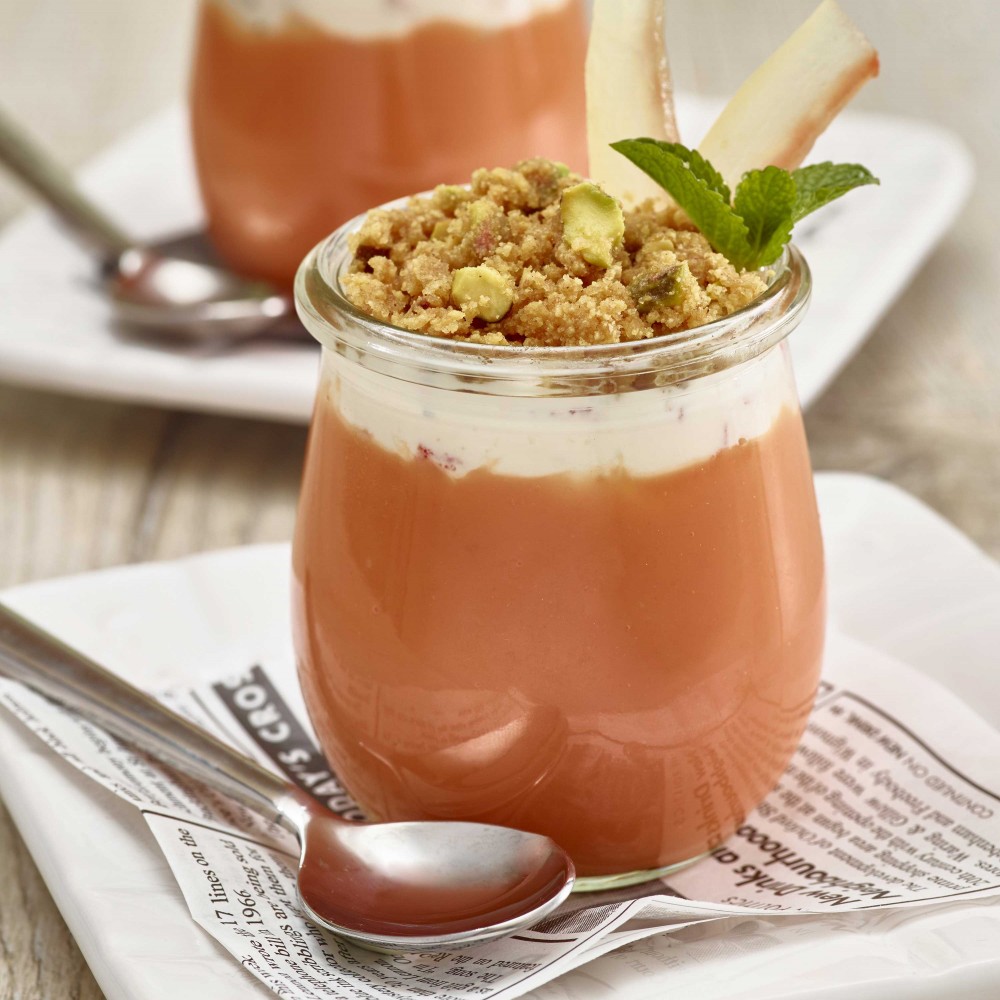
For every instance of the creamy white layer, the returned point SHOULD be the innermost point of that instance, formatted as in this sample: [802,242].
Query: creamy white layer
[371,19]
[644,432]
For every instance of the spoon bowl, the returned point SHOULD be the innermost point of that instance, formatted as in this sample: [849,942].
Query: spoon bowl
[434,884]
[192,299]
[150,287]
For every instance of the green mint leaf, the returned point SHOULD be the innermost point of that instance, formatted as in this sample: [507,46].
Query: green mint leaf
[821,183]
[697,164]
[752,231]
[765,201]
[697,187]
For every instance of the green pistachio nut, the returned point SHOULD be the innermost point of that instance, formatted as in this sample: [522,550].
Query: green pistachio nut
[593,224]
[662,288]
[546,178]
[448,197]
[483,211]
[487,289]
[486,226]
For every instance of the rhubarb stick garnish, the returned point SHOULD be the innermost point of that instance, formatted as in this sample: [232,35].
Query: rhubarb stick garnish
[629,91]
[786,104]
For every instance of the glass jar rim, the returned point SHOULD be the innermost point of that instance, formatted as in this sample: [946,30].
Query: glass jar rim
[339,325]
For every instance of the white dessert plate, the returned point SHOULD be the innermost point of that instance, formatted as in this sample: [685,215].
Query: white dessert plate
[901,579]
[56,331]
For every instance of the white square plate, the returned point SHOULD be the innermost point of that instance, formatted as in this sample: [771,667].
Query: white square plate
[56,330]
[901,579]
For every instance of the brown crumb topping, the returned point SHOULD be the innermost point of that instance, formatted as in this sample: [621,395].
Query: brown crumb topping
[664,276]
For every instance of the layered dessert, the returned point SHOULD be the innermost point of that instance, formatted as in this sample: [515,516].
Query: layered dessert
[306,112]
[557,561]
[596,615]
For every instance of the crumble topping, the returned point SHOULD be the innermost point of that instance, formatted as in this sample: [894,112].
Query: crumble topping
[502,262]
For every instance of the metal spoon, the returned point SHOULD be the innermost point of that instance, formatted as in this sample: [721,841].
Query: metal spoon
[417,886]
[172,295]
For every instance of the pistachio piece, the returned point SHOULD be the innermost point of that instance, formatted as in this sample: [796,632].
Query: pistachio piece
[546,178]
[448,197]
[663,288]
[484,287]
[482,211]
[486,227]
[593,224]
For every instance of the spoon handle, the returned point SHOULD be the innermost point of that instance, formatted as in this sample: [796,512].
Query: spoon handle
[20,154]
[53,669]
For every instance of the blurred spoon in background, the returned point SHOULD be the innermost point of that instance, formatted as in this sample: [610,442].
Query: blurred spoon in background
[171,289]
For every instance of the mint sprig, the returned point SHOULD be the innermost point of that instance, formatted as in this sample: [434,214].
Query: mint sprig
[705,199]
[751,228]
[699,166]
[820,183]
[765,200]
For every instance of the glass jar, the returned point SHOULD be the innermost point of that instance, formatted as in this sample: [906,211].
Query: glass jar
[578,591]
[306,112]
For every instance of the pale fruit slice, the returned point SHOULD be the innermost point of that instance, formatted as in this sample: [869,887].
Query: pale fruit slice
[784,106]
[629,92]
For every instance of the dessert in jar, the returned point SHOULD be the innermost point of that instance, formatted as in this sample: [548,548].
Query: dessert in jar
[306,112]
[557,562]
[578,590]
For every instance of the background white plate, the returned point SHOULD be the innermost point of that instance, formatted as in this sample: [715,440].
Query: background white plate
[901,579]
[56,331]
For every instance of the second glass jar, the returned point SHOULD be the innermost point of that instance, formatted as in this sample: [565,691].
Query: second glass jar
[306,112]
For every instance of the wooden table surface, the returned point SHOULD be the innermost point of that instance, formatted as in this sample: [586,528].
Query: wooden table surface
[87,483]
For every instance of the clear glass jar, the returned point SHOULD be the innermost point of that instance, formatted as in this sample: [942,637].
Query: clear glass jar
[306,112]
[578,591]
